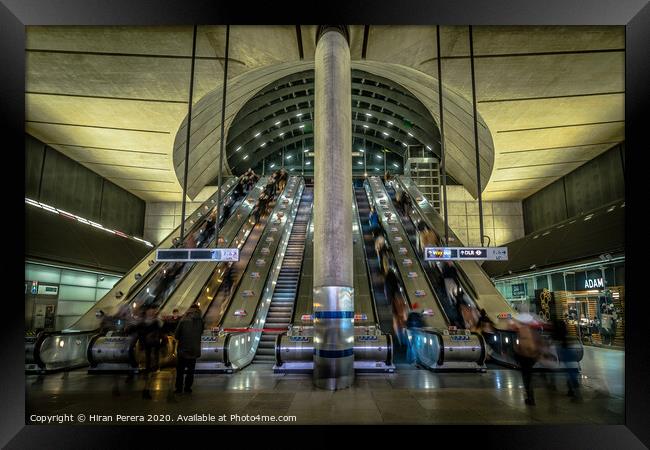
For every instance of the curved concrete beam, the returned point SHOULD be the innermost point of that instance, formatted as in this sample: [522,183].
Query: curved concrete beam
[459,127]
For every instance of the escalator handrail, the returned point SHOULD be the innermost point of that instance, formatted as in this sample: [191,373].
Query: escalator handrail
[365,260]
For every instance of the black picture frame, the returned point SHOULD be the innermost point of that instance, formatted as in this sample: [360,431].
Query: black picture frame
[16,14]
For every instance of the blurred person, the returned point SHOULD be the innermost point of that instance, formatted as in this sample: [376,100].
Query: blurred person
[282,179]
[383,254]
[171,321]
[167,279]
[450,277]
[606,321]
[188,335]
[426,237]
[150,337]
[565,355]
[106,322]
[261,206]
[373,220]
[398,303]
[485,325]
[227,209]
[528,349]
[414,321]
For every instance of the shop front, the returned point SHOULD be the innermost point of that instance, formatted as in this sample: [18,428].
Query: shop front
[589,296]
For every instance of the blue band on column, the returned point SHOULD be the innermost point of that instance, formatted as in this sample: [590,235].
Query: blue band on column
[334,353]
[333,314]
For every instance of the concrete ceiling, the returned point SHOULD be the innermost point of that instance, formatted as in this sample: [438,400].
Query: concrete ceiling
[114,98]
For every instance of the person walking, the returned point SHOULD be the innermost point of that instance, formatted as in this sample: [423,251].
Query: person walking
[188,335]
[560,338]
[528,349]
[150,337]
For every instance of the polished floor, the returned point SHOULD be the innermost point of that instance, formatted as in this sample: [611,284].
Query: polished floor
[407,396]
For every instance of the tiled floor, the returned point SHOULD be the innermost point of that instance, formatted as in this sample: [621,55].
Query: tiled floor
[407,396]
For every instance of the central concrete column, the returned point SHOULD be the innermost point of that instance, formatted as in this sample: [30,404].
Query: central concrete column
[333,277]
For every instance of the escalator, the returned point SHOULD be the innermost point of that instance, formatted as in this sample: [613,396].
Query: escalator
[373,348]
[204,287]
[286,287]
[68,349]
[432,272]
[233,331]
[435,345]
[474,281]
[216,307]
[382,304]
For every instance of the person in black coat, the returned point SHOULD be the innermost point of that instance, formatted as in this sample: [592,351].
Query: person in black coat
[150,337]
[188,334]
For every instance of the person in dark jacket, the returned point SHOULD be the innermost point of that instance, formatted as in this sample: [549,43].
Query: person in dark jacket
[150,335]
[564,353]
[188,335]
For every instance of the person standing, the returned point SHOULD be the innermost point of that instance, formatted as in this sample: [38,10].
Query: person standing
[188,334]
[373,220]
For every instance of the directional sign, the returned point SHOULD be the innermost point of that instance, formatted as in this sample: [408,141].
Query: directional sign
[198,254]
[466,253]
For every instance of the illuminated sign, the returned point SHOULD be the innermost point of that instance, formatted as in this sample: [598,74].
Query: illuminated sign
[593,283]
[466,253]
[198,254]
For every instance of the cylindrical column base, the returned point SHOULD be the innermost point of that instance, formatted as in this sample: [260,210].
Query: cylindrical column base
[333,337]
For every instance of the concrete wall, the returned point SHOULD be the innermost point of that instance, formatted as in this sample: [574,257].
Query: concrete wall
[502,221]
[54,179]
[161,218]
[594,184]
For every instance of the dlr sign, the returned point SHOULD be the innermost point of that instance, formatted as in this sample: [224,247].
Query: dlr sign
[593,283]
